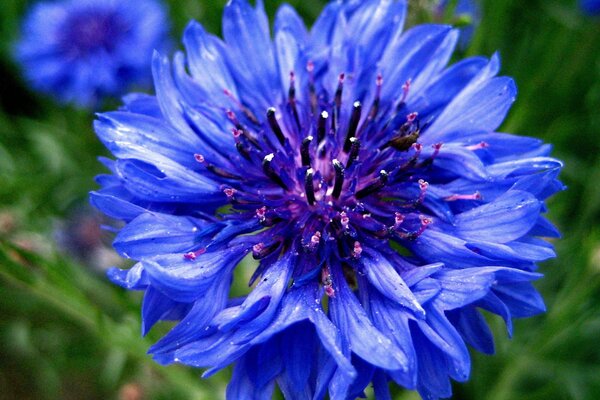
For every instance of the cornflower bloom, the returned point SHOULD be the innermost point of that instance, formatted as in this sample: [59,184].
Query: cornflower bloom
[363,173]
[80,51]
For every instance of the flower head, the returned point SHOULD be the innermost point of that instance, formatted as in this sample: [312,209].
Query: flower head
[82,50]
[363,173]
[590,7]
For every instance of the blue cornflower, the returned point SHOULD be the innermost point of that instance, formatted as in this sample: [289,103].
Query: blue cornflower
[82,50]
[365,175]
[590,7]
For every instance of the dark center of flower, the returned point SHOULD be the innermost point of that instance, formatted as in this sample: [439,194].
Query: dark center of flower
[328,171]
[92,30]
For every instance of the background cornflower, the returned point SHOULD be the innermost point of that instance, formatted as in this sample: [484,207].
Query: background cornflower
[80,51]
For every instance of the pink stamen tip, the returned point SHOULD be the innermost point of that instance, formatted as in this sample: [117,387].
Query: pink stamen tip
[342,77]
[412,116]
[379,79]
[199,158]
[292,76]
[230,115]
[478,146]
[237,133]
[229,192]
[261,212]
[418,147]
[357,250]
[310,66]
[329,291]
[344,219]
[316,238]
[190,256]
[474,196]
[425,221]
[423,185]
[257,248]
[227,93]
[399,218]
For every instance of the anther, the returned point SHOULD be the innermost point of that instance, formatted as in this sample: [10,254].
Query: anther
[305,151]
[354,120]
[275,125]
[315,240]
[373,187]
[339,178]
[474,196]
[309,187]
[354,150]
[398,220]
[423,185]
[321,126]
[338,102]
[267,165]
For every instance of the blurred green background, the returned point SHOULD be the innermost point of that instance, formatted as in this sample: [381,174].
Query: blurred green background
[66,333]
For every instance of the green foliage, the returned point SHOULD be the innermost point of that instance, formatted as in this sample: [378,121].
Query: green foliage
[65,332]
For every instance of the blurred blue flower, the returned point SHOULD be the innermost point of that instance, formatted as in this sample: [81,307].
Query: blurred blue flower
[591,7]
[467,15]
[82,50]
[365,175]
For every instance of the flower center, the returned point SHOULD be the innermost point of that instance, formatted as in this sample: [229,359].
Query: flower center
[92,30]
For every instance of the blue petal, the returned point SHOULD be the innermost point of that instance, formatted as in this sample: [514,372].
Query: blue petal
[473,328]
[134,278]
[508,218]
[384,277]
[186,280]
[364,339]
[156,307]
[206,62]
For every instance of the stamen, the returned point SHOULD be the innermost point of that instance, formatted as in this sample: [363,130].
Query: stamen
[270,172]
[423,185]
[474,196]
[229,192]
[354,120]
[231,116]
[357,250]
[478,146]
[338,102]
[339,178]
[215,170]
[247,112]
[354,150]
[344,220]
[398,220]
[275,125]
[305,151]
[405,90]
[261,214]
[309,187]
[321,126]
[327,282]
[373,187]
[375,105]
[260,251]
[192,255]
